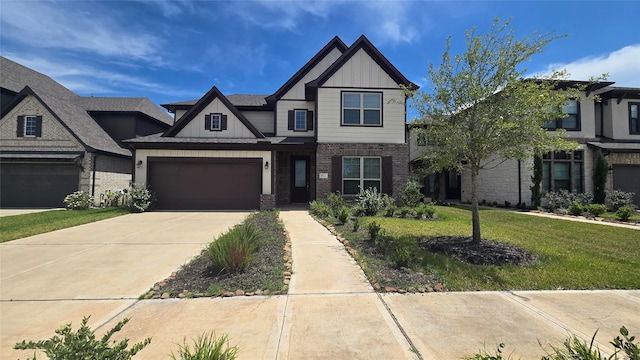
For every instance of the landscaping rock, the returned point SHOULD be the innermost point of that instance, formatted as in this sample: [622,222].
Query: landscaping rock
[239,292]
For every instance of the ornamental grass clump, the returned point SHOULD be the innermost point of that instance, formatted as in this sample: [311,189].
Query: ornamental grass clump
[207,347]
[233,251]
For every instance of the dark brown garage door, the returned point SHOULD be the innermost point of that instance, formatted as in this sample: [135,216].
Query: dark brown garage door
[37,185]
[627,178]
[206,184]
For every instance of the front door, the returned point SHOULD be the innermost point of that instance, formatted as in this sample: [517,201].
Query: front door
[300,179]
[453,188]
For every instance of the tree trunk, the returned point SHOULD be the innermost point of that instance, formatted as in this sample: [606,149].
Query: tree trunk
[475,211]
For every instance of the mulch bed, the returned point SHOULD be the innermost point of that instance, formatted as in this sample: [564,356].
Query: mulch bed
[486,252]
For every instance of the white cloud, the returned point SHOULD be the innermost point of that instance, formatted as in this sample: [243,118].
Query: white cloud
[623,66]
[75,26]
[392,21]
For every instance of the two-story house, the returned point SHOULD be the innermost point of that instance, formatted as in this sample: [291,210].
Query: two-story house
[337,124]
[54,142]
[609,125]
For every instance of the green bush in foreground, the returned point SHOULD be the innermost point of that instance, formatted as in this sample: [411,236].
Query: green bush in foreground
[576,349]
[207,347]
[78,200]
[233,251]
[625,212]
[83,344]
[319,208]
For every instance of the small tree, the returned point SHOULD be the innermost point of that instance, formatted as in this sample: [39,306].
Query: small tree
[600,178]
[480,111]
[536,188]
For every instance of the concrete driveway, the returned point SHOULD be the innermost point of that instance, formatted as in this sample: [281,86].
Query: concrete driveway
[96,269]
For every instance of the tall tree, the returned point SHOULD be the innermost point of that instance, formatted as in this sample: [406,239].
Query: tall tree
[600,178]
[479,111]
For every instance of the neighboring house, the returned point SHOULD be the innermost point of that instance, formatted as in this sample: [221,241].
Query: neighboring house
[338,124]
[54,142]
[610,125]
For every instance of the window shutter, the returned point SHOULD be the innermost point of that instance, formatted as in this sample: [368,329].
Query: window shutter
[207,122]
[291,120]
[20,127]
[336,173]
[309,120]
[38,126]
[387,175]
[223,122]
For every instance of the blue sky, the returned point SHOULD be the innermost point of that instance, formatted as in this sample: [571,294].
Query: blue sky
[177,50]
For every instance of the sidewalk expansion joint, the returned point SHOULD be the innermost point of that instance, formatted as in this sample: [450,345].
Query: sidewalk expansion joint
[63,299]
[414,349]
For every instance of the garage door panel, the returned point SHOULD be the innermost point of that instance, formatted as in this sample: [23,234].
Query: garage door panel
[37,185]
[627,178]
[206,184]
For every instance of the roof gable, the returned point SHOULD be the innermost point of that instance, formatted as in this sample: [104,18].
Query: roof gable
[209,97]
[335,43]
[361,44]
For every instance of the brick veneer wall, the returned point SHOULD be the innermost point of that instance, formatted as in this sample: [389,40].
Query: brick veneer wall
[267,201]
[399,153]
[283,176]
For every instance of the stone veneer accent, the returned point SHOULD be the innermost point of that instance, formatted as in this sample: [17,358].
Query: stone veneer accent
[267,201]
[324,153]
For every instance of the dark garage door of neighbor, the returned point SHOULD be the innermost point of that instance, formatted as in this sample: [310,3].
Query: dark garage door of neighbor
[37,185]
[206,183]
[627,178]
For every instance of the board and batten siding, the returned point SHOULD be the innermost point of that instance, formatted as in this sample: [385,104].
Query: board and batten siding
[262,120]
[144,154]
[297,92]
[283,117]
[235,128]
[329,120]
[361,71]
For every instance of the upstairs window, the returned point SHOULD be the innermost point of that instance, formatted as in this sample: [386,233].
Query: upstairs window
[300,120]
[29,126]
[634,118]
[215,122]
[572,120]
[422,140]
[364,109]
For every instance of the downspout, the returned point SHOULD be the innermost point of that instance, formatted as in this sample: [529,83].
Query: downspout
[601,119]
[93,181]
[519,183]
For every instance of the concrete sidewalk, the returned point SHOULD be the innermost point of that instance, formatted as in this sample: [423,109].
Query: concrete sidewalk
[331,312]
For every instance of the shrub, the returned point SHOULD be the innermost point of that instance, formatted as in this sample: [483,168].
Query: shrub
[83,344]
[319,208]
[625,212]
[595,209]
[374,229]
[403,252]
[388,201]
[78,200]
[233,251]
[389,211]
[424,211]
[207,347]
[357,211]
[141,199]
[336,202]
[411,195]
[404,211]
[563,199]
[617,199]
[371,201]
[343,215]
[384,242]
[575,208]
[536,188]
[355,223]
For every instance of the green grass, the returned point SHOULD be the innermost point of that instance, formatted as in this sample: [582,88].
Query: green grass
[573,255]
[612,215]
[20,226]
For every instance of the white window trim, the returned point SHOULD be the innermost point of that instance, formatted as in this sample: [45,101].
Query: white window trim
[219,117]
[26,122]
[361,108]
[295,120]
[362,179]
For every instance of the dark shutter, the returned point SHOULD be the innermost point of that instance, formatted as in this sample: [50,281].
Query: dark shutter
[336,173]
[20,128]
[387,175]
[38,126]
[207,122]
[291,120]
[223,122]
[309,120]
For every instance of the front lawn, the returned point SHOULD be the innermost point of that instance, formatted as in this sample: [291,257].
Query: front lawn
[571,255]
[20,226]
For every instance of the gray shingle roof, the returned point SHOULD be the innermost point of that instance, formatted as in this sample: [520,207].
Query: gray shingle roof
[15,77]
[235,99]
[142,105]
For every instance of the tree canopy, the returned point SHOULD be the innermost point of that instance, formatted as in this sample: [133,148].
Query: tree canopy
[479,108]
